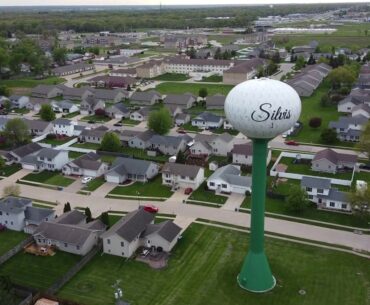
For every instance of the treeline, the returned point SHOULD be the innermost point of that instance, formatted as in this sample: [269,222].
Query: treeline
[120,20]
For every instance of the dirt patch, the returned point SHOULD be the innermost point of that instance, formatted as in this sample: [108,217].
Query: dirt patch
[157,260]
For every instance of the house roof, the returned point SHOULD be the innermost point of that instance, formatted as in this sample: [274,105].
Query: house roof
[71,218]
[314,182]
[231,175]
[27,149]
[96,224]
[37,124]
[335,157]
[182,116]
[246,66]
[99,131]
[38,100]
[131,225]
[48,153]
[43,89]
[65,104]
[208,117]
[173,108]
[199,62]
[364,107]
[118,108]
[166,140]
[62,121]
[37,214]
[168,230]
[178,99]
[226,137]
[190,171]
[125,166]
[345,121]
[336,195]
[245,149]
[88,161]
[14,205]
[145,96]
[146,135]
[68,68]
[216,100]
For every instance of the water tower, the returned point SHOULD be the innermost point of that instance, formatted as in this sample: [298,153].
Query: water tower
[261,109]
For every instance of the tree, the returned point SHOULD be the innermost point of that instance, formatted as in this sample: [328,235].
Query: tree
[160,121]
[60,56]
[5,90]
[328,136]
[276,57]
[341,76]
[128,88]
[296,201]
[315,122]
[300,63]
[191,53]
[7,105]
[88,214]
[104,217]
[16,132]
[218,54]
[311,60]
[67,207]
[360,203]
[324,101]
[111,142]
[4,59]
[203,92]
[180,158]
[364,144]
[47,113]
[12,190]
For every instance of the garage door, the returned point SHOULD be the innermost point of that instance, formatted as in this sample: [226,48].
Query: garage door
[29,166]
[239,189]
[112,179]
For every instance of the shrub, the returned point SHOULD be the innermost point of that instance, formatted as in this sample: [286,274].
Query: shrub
[315,122]
[100,112]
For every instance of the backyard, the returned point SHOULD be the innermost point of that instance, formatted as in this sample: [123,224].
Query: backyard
[203,269]
[56,141]
[180,88]
[200,194]
[9,239]
[142,154]
[38,272]
[46,177]
[87,145]
[70,115]
[153,188]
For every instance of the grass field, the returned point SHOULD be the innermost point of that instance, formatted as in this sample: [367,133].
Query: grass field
[142,154]
[200,194]
[94,184]
[153,188]
[38,271]
[71,115]
[74,154]
[9,170]
[30,82]
[87,145]
[53,178]
[96,118]
[57,141]
[9,239]
[212,78]
[172,77]
[203,269]
[179,88]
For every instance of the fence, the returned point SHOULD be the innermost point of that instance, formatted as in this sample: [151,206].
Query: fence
[39,138]
[74,270]
[15,250]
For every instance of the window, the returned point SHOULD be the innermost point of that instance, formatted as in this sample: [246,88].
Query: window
[183,177]
[108,241]
[309,189]
[1,213]
[211,184]
[11,222]
[78,247]
[66,245]
[344,206]
[320,191]
[332,204]
[224,186]
[310,197]
[122,244]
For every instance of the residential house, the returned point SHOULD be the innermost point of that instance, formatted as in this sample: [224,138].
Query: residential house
[72,69]
[77,94]
[182,118]
[64,106]
[18,214]
[68,236]
[93,135]
[141,140]
[349,128]
[150,69]
[243,154]
[3,121]
[63,127]
[45,159]
[108,81]
[137,229]
[88,165]
[243,71]
[124,169]
[216,101]
[90,105]
[167,145]
[146,98]
[330,161]
[46,91]
[17,154]
[126,135]
[219,145]
[362,110]
[19,101]
[140,115]
[182,175]
[118,111]
[38,127]
[174,110]
[35,103]
[207,120]
[185,101]
[228,179]
[319,191]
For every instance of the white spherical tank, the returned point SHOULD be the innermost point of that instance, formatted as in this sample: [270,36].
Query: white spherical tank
[262,108]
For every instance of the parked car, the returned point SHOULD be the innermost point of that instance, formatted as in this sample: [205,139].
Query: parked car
[86,180]
[151,208]
[188,191]
[291,142]
[117,124]
[181,130]
[365,166]
[91,122]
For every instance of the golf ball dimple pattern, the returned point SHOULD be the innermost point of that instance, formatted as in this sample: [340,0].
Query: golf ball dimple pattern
[262,108]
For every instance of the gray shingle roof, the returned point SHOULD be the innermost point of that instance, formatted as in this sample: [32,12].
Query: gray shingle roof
[145,96]
[245,149]
[216,100]
[231,174]
[27,149]
[71,218]
[181,169]
[345,121]
[37,214]
[335,157]
[166,229]
[48,153]
[14,205]
[336,195]
[314,182]
[125,166]
[88,161]
[37,124]
[178,99]
[62,121]
[131,225]
[208,117]
[165,140]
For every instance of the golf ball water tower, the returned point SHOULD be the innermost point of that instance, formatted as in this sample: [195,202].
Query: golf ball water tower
[261,109]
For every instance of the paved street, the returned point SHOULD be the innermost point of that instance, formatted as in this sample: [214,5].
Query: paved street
[99,204]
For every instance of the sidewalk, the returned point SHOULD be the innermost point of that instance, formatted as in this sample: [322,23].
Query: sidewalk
[104,189]
[233,202]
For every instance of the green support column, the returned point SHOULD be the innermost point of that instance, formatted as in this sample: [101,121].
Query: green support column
[256,275]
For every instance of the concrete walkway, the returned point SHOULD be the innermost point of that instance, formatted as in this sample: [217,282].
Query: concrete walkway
[75,186]
[183,222]
[233,202]
[104,189]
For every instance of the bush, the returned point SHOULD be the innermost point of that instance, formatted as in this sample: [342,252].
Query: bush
[328,136]
[324,100]
[345,90]
[51,136]
[335,98]
[315,122]
[100,112]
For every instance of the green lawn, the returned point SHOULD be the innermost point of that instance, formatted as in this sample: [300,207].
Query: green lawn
[38,272]
[9,239]
[87,145]
[71,115]
[57,141]
[305,169]
[130,122]
[108,159]
[179,88]
[142,154]
[201,194]
[53,178]
[172,77]
[153,188]
[96,118]
[20,110]
[30,82]
[191,128]
[74,154]
[203,269]
[9,170]
[94,184]
[212,78]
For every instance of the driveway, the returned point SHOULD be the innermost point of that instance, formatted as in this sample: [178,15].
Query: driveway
[104,189]
[75,186]
[233,202]
[285,68]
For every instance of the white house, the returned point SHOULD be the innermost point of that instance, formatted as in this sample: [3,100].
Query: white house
[207,120]
[88,165]
[243,154]
[182,175]
[228,179]
[45,159]
[63,127]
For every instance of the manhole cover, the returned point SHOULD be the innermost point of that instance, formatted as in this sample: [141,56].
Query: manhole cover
[302,292]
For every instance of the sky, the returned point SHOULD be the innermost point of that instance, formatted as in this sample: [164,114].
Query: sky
[156,2]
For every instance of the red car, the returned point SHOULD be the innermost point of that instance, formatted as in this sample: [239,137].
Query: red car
[188,191]
[291,142]
[180,130]
[151,208]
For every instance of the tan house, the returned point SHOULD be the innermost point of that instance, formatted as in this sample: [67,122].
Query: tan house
[242,72]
